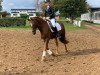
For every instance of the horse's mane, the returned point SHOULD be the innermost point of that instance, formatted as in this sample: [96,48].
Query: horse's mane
[39,20]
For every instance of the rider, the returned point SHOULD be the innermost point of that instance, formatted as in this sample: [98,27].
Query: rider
[49,12]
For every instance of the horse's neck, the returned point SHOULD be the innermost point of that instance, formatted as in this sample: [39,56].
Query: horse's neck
[43,28]
[40,29]
[42,25]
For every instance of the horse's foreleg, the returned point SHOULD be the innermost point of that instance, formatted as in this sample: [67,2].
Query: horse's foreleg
[45,49]
[66,48]
[56,41]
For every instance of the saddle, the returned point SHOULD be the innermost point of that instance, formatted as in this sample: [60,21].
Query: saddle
[53,29]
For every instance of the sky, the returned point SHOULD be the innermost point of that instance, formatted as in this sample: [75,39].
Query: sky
[94,3]
[10,4]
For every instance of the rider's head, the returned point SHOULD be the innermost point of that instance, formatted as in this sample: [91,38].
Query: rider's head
[47,2]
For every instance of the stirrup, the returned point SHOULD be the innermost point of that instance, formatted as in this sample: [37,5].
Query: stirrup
[58,35]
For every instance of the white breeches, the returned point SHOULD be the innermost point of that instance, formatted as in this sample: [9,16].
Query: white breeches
[53,21]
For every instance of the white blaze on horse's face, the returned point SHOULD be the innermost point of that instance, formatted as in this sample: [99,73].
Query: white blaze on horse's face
[31,24]
[34,27]
[31,21]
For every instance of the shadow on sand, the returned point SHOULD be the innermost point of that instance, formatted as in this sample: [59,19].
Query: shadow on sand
[77,53]
[83,52]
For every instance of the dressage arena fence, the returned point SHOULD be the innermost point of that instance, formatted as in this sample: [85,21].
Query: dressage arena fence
[7,22]
[77,23]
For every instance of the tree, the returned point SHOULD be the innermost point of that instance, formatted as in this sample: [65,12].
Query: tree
[55,3]
[0,5]
[0,14]
[58,5]
[25,16]
[39,5]
[71,8]
[4,14]
[0,9]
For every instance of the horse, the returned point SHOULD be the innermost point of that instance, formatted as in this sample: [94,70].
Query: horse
[46,35]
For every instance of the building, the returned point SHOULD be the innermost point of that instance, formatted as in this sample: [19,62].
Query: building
[93,15]
[18,12]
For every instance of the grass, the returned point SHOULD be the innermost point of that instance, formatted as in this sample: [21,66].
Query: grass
[26,27]
[16,27]
[96,24]
[91,23]
[68,26]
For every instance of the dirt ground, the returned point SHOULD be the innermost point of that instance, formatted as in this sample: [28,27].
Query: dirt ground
[20,54]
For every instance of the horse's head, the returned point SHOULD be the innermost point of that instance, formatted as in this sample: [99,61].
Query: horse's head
[34,24]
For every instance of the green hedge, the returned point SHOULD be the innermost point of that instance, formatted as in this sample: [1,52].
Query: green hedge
[24,16]
[7,22]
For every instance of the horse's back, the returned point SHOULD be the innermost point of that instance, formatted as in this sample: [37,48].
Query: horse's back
[62,26]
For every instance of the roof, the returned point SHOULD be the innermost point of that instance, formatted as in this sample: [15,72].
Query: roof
[23,9]
[95,9]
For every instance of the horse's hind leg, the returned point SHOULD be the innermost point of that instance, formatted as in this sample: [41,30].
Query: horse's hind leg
[66,48]
[56,41]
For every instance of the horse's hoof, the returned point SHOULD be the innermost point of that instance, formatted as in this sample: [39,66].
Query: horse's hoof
[66,51]
[53,55]
[57,53]
[43,59]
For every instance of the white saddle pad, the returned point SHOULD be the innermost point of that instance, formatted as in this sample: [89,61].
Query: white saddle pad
[57,26]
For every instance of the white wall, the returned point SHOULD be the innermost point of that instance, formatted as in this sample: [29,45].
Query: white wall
[18,12]
[86,17]
[96,21]
[17,15]
[95,17]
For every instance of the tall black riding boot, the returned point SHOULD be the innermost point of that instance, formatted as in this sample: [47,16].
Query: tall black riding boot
[56,33]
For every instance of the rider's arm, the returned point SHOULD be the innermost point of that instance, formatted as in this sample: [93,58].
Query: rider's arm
[51,11]
[46,14]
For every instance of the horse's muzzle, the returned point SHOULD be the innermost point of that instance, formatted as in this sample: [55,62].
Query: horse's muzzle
[34,32]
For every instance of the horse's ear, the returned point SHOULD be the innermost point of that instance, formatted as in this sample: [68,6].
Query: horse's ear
[32,18]
[29,19]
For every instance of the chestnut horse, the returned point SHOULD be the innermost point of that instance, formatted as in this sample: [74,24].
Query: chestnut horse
[46,34]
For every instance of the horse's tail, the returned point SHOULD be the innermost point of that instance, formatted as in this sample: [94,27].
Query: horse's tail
[62,34]
[63,40]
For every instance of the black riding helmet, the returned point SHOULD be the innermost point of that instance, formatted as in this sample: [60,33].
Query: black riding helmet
[46,1]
